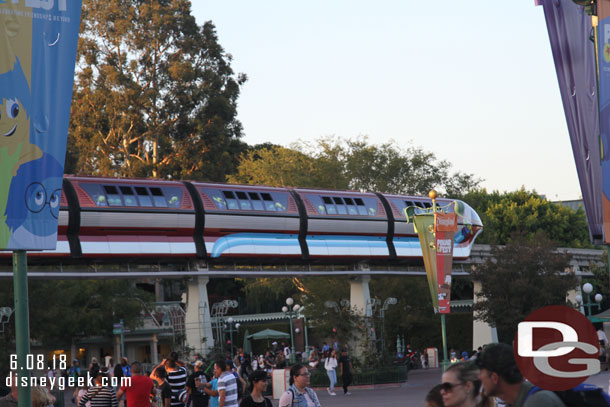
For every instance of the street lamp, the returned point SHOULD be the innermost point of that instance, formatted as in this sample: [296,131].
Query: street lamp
[229,328]
[291,311]
[386,304]
[588,289]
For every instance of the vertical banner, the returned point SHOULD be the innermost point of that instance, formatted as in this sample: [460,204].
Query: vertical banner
[574,54]
[445,226]
[37,58]
[424,225]
[603,52]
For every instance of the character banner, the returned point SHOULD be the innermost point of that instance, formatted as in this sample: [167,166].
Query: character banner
[445,226]
[37,60]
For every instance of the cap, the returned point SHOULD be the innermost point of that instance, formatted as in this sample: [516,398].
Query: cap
[198,363]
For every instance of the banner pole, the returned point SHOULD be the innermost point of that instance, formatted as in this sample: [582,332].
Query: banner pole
[444,333]
[22,324]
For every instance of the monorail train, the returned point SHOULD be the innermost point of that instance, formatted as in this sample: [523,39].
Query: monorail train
[110,218]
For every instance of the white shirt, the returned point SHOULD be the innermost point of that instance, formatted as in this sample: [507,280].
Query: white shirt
[601,336]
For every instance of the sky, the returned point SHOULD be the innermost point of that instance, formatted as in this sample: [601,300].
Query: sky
[472,81]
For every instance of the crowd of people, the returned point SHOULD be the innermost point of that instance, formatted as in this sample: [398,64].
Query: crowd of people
[490,378]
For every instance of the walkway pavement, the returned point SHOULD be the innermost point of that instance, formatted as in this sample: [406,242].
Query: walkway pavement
[409,394]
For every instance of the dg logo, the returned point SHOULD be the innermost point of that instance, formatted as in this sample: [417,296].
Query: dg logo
[556,348]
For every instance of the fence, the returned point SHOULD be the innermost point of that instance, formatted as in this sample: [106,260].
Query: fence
[393,374]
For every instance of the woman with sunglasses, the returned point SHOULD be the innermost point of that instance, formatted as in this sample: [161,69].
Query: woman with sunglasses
[461,386]
[299,394]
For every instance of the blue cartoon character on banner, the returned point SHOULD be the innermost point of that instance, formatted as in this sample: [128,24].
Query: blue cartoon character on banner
[15,146]
[34,206]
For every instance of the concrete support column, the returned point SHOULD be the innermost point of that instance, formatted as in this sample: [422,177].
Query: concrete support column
[360,303]
[198,324]
[360,295]
[154,355]
[482,333]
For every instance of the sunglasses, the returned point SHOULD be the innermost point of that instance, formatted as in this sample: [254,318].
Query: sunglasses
[447,386]
[304,374]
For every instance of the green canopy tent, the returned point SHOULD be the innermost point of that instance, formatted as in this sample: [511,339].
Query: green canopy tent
[601,317]
[268,334]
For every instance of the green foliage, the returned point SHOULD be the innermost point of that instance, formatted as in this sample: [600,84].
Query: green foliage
[154,94]
[527,213]
[351,164]
[519,278]
[63,309]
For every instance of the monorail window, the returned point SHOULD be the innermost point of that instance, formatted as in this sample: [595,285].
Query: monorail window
[216,197]
[128,196]
[256,201]
[268,200]
[95,193]
[244,203]
[158,198]
[351,207]
[427,204]
[230,198]
[361,207]
[143,196]
[339,205]
[112,193]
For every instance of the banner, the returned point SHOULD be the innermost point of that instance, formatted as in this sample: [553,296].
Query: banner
[445,226]
[424,226]
[569,29]
[603,51]
[37,58]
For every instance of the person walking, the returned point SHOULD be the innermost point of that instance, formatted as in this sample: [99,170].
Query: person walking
[227,385]
[330,364]
[501,378]
[211,388]
[165,390]
[346,371]
[98,395]
[139,391]
[195,384]
[299,394]
[258,385]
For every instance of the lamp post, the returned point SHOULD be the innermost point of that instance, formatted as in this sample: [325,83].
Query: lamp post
[229,327]
[291,311]
[588,289]
[388,301]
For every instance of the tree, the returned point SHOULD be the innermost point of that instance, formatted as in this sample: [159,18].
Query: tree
[519,278]
[61,310]
[154,95]
[351,164]
[527,212]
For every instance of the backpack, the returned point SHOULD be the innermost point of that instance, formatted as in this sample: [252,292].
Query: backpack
[583,395]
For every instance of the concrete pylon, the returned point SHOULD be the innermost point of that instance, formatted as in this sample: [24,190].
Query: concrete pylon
[198,324]
[360,303]
[482,332]
[360,295]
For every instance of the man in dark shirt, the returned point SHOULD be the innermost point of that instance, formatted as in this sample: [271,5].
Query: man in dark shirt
[195,384]
[346,370]
[166,389]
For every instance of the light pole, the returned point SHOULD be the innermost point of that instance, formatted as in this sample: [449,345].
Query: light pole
[588,288]
[291,311]
[229,328]
[386,304]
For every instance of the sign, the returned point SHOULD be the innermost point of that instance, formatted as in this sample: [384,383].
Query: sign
[556,348]
[117,331]
[37,59]
[445,225]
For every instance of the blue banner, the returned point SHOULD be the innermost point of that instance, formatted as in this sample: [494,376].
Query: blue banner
[37,58]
